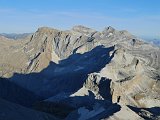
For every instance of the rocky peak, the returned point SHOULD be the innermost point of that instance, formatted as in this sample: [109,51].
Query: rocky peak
[108,30]
[83,29]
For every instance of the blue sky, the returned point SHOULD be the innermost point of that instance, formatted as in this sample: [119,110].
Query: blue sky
[140,17]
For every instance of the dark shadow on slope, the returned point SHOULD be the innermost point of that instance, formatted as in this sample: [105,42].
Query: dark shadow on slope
[62,105]
[70,105]
[16,94]
[110,109]
[144,112]
[104,89]
[67,76]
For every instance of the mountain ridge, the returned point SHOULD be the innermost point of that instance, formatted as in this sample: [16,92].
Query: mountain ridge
[85,70]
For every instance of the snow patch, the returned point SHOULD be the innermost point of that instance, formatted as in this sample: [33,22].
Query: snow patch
[86,114]
[82,92]
[103,55]
[79,68]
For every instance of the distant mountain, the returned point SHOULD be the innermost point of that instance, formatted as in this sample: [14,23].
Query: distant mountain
[15,36]
[151,40]
[154,42]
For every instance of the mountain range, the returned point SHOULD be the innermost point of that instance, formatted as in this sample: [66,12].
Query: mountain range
[15,36]
[79,74]
[154,41]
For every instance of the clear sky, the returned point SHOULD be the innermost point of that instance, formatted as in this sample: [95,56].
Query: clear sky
[140,17]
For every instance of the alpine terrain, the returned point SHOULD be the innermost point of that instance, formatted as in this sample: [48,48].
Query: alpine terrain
[79,74]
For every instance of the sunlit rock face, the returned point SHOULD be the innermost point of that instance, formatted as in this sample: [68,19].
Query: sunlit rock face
[82,73]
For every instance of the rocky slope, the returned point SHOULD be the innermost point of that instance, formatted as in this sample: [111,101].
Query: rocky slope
[83,73]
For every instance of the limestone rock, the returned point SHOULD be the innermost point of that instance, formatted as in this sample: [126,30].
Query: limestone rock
[84,67]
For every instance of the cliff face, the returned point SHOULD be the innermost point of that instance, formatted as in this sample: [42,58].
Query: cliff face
[111,65]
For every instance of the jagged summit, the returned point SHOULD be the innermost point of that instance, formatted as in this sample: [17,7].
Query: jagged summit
[85,30]
[50,43]
[109,29]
